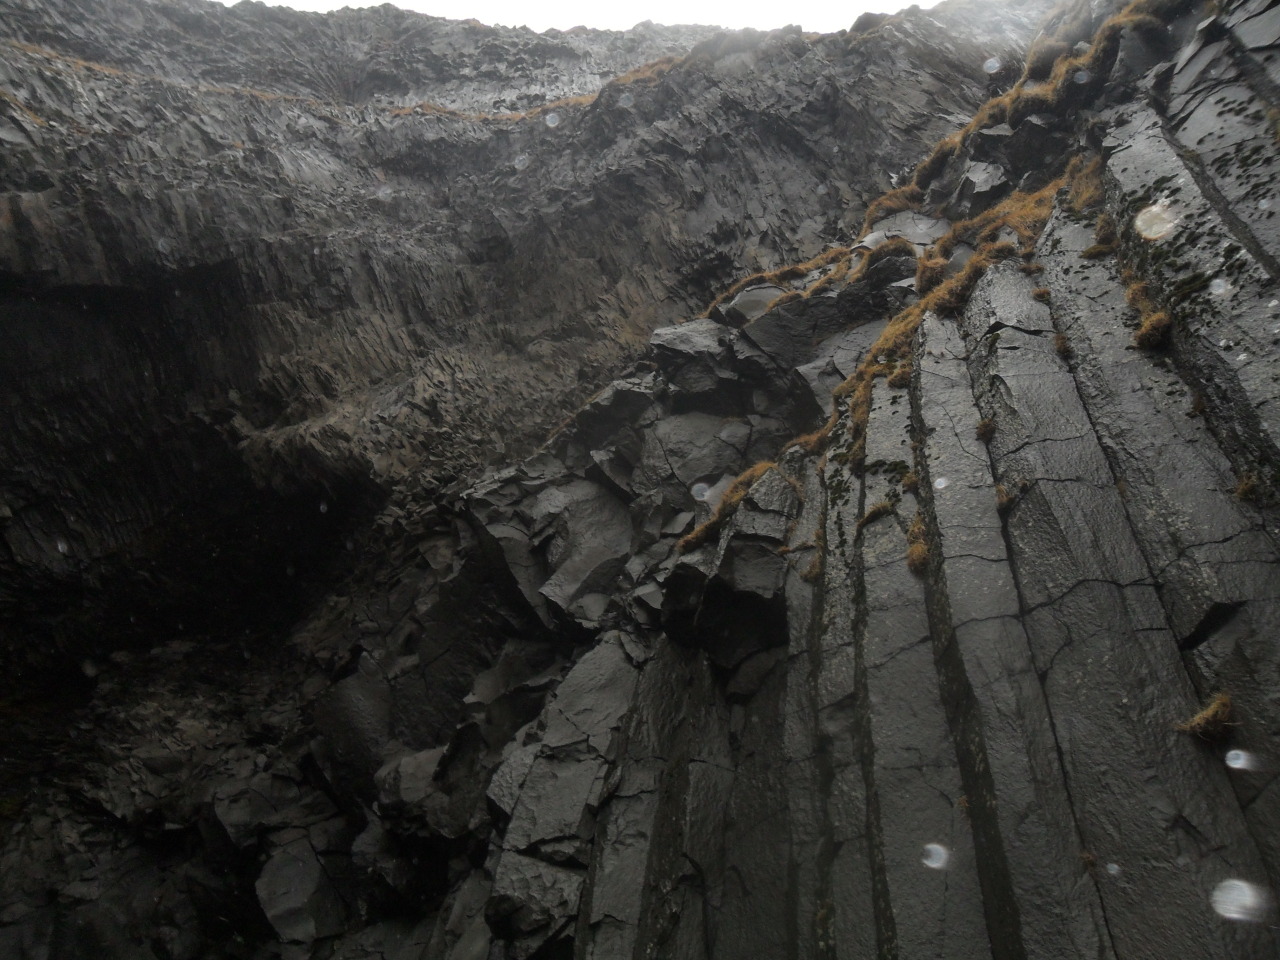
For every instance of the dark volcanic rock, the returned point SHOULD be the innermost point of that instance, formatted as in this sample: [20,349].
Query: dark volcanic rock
[902,606]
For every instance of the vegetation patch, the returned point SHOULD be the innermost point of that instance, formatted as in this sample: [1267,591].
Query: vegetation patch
[726,508]
[917,547]
[875,512]
[1213,723]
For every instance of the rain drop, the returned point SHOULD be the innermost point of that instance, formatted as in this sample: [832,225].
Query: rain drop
[163,245]
[1242,358]
[993,65]
[1264,203]
[1239,900]
[1219,287]
[941,483]
[315,251]
[1113,869]
[324,507]
[62,546]
[699,491]
[89,668]
[626,100]
[350,544]
[935,856]
[1156,221]
[552,119]
[1081,76]
[521,162]
[1239,760]
[822,189]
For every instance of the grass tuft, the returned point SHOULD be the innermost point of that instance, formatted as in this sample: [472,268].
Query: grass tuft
[1154,332]
[877,510]
[1213,723]
[726,508]
[917,547]
[1247,489]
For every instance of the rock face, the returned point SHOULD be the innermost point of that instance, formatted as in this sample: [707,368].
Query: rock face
[918,601]
[276,293]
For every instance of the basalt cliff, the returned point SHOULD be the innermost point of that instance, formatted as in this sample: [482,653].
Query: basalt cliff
[471,494]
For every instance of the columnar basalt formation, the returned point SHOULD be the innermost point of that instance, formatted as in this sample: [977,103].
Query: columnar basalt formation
[916,598]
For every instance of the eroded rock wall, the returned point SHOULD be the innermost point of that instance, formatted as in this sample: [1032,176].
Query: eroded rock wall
[259,280]
[875,613]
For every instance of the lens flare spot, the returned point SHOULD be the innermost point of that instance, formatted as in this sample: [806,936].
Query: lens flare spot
[1239,760]
[1240,900]
[1156,221]
[935,856]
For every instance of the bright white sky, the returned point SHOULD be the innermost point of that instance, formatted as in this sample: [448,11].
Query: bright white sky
[563,14]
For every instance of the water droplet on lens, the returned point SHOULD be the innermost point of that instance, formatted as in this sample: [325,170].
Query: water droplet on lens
[626,100]
[700,491]
[1081,76]
[1240,900]
[315,251]
[822,189]
[1242,358]
[1239,760]
[1264,203]
[324,507]
[992,66]
[521,162]
[62,546]
[941,483]
[162,245]
[89,669]
[552,119]
[1219,287]
[351,544]
[1156,221]
[1113,869]
[935,856]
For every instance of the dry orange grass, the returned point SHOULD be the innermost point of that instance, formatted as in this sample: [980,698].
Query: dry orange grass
[1213,722]
[726,508]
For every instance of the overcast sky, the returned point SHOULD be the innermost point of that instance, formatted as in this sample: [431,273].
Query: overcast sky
[815,17]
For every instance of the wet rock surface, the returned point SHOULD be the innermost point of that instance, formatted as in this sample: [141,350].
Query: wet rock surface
[875,613]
